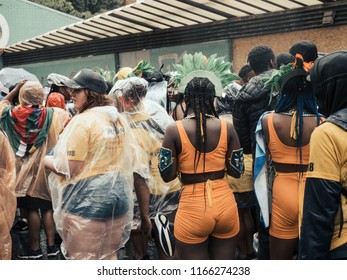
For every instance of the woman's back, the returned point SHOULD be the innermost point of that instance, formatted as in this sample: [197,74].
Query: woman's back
[280,138]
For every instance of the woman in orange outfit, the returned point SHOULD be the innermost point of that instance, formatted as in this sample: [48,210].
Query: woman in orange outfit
[287,134]
[199,148]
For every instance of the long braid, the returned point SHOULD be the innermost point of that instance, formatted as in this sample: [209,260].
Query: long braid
[199,96]
[302,101]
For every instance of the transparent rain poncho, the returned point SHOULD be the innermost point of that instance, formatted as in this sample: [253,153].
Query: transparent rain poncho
[7,196]
[149,129]
[93,208]
[31,176]
[158,93]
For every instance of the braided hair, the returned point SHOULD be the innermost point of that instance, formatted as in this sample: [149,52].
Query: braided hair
[297,93]
[199,96]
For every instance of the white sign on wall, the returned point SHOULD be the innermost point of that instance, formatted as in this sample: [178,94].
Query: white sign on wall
[4,32]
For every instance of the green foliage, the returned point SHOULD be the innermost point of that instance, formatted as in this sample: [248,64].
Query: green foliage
[106,73]
[81,8]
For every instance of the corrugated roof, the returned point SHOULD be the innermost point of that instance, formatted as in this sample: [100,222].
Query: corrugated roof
[152,15]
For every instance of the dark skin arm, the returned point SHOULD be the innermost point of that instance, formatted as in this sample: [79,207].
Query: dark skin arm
[171,141]
[13,93]
[142,193]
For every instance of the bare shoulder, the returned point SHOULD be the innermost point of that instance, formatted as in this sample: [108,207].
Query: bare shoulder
[171,131]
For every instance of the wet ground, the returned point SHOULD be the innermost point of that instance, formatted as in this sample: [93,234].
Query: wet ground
[20,243]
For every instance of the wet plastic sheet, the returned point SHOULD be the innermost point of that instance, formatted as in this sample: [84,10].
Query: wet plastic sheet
[93,208]
[157,93]
[7,196]
[148,124]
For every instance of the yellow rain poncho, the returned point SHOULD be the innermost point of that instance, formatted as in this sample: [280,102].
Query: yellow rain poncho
[93,207]
[8,201]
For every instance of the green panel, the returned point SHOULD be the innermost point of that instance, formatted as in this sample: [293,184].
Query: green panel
[174,54]
[69,67]
[27,19]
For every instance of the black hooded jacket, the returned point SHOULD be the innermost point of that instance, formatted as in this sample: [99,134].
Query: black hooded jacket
[251,102]
[323,197]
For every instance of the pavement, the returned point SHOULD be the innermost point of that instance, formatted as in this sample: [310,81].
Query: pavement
[20,243]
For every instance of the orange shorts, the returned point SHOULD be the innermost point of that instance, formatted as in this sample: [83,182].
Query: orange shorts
[202,213]
[285,205]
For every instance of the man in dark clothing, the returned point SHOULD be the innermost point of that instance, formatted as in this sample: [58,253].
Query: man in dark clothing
[253,99]
[251,102]
[324,222]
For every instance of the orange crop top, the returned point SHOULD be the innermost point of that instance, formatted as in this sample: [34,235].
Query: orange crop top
[214,160]
[282,153]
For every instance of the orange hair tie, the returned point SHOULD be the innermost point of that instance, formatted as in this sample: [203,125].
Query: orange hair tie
[306,65]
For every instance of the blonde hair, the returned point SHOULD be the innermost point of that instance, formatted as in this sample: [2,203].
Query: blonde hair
[31,93]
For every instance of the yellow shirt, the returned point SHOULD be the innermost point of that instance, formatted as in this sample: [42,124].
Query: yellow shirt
[97,141]
[328,157]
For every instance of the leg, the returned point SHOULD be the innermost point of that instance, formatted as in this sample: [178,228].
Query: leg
[250,230]
[263,237]
[241,237]
[82,237]
[34,223]
[185,251]
[282,249]
[49,225]
[139,243]
[222,249]
[117,230]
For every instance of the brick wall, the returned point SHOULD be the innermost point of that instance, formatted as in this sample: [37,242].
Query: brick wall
[327,40]
[127,2]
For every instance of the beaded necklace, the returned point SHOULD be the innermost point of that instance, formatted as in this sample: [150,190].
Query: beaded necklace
[192,116]
[292,112]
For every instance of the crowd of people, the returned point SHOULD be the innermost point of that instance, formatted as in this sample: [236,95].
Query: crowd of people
[207,163]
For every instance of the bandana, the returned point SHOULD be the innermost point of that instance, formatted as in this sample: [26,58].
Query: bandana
[27,127]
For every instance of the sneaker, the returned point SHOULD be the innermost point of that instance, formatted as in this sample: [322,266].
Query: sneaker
[52,251]
[165,237]
[21,226]
[31,254]
[255,242]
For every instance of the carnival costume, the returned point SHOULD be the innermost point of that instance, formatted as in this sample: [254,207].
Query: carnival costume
[208,207]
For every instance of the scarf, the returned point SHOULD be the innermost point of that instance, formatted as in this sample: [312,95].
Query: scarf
[27,127]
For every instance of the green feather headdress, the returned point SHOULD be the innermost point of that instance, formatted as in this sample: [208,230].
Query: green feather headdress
[216,69]
[286,72]
[142,67]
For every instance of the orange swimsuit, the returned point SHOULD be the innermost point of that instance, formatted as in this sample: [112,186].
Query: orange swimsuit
[288,188]
[206,208]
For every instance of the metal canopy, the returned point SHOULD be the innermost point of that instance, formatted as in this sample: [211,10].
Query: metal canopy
[153,15]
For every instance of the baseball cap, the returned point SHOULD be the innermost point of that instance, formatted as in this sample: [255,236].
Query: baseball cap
[307,49]
[56,79]
[89,79]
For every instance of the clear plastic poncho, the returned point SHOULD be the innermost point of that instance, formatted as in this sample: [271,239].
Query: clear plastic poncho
[149,130]
[31,176]
[158,93]
[8,201]
[93,206]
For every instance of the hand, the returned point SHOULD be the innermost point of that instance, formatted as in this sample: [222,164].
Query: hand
[146,226]
[20,84]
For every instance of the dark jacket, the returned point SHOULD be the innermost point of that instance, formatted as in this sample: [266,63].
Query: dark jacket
[251,102]
[321,205]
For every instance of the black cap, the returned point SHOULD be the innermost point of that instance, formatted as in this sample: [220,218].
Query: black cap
[307,49]
[89,79]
